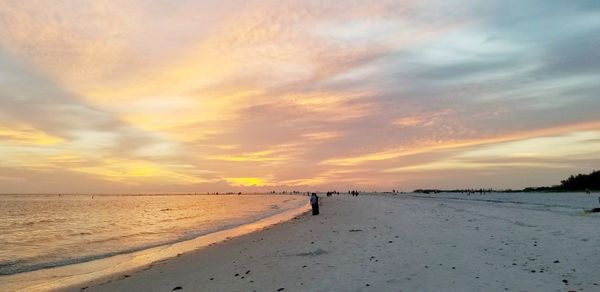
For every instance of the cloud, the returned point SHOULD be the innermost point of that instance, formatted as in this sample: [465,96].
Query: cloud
[22,134]
[433,146]
[562,151]
[257,94]
[247,181]
[321,136]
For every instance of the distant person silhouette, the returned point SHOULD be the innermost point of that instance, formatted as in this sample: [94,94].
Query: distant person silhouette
[314,203]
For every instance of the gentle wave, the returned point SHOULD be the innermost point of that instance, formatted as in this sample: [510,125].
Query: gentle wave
[59,231]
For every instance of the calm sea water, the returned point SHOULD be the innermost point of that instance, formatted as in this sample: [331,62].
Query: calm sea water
[41,231]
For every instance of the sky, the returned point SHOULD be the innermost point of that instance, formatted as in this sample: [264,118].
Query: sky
[256,95]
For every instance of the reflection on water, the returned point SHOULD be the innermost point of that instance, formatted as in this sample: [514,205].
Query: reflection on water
[39,231]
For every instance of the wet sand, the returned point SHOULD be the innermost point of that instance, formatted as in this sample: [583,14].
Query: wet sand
[391,243]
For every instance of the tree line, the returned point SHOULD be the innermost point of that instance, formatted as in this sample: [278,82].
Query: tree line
[579,182]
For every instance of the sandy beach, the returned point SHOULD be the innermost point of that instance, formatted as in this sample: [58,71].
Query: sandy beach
[391,243]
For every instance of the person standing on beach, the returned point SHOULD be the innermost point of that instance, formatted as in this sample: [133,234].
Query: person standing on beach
[314,203]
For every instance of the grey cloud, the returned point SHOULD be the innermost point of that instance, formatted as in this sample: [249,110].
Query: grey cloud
[575,54]
[33,100]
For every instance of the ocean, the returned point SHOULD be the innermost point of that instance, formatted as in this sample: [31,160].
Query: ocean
[44,231]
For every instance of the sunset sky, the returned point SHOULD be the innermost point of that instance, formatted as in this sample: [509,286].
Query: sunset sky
[196,96]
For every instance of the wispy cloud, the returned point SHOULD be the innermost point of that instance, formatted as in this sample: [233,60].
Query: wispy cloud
[207,95]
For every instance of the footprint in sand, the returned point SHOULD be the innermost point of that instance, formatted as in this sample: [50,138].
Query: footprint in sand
[519,223]
[317,252]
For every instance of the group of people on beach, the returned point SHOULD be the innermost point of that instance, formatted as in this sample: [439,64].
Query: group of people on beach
[314,200]
[329,194]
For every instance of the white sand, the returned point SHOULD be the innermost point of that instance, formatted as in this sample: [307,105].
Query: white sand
[370,243]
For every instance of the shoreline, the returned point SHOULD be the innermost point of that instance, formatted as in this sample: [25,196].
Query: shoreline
[390,243]
[98,270]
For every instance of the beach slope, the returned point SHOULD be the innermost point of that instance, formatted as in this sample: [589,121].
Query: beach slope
[391,243]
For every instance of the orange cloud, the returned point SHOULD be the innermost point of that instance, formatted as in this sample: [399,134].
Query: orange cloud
[276,154]
[139,171]
[22,134]
[448,145]
[248,181]
[423,120]
[321,136]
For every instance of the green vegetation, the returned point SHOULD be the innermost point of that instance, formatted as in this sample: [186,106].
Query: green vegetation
[580,182]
